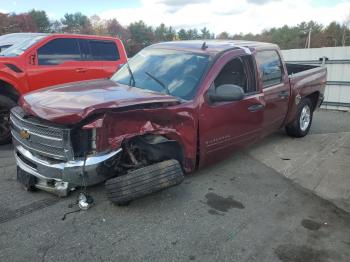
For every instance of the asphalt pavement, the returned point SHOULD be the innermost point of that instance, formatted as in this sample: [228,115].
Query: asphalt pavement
[240,209]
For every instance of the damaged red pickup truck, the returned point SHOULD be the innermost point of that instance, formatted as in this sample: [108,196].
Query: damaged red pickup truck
[175,107]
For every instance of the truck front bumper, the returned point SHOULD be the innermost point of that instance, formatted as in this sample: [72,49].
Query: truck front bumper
[61,177]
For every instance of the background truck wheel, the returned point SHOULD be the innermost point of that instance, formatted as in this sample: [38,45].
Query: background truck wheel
[140,182]
[5,132]
[302,123]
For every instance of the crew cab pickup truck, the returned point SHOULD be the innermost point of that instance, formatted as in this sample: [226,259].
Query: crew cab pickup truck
[30,61]
[173,108]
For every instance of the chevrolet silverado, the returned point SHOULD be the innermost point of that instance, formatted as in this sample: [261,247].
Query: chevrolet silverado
[173,108]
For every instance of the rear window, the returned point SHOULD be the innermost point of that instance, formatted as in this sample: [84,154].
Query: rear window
[58,51]
[104,50]
[270,67]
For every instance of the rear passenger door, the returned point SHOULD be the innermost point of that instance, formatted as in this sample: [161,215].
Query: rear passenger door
[58,61]
[275,87]
[106,51]
[90,68]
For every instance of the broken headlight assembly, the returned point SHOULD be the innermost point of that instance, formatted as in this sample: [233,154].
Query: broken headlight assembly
[88,139]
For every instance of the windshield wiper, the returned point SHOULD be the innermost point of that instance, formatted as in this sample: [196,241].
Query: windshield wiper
[132,78]
[159,82]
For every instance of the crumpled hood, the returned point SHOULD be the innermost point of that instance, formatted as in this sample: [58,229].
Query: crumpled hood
[71,103]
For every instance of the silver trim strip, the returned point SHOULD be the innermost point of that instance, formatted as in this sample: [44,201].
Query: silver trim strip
[34,133]
[31,170]
[44,153]
[32,123]
[93,160]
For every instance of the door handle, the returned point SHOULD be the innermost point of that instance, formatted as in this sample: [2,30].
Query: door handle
[283,94]
[256,107]
[81,70]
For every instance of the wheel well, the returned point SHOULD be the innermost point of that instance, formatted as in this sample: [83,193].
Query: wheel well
[314,98]
[8,90]
[154,148]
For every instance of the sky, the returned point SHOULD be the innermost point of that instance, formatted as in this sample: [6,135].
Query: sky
[232,16]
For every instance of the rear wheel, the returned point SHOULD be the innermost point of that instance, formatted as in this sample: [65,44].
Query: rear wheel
[302,123]
[143,181]
[5,131]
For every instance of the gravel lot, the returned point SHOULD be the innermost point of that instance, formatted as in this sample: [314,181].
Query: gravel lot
[238,210]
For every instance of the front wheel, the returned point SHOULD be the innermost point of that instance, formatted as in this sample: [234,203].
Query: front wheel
[5,132]
[302,123]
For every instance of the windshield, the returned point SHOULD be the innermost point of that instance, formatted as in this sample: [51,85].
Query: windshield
[21,44]
[167,71]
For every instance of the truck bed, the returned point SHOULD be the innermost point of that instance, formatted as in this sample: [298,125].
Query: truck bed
[305,80]
[297,68]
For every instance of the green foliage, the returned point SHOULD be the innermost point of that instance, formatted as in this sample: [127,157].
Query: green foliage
[163,33]
[41,20]
[192,34]
[223,35]
[138,35]
[205,33]
[76,23]
[288,37]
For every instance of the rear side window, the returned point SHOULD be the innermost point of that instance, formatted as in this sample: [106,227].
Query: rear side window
[270,67]
[58,51]
[104,50]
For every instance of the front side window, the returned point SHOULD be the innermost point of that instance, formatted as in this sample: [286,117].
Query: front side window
[58,51]
[239,71]
[104,50]
[167,71]
[270,67]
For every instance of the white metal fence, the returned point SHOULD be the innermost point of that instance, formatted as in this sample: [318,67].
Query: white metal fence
[337,95]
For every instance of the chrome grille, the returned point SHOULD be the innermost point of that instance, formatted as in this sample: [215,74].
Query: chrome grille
[42,139]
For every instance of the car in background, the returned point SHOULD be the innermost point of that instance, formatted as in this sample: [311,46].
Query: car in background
[31,61]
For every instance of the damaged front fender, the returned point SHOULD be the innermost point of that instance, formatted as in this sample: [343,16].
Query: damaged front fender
[175,124]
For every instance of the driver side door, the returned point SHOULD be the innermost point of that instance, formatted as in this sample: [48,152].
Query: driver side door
[229,126]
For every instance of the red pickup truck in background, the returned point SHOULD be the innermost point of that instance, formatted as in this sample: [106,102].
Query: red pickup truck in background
[175,107]
[30,61]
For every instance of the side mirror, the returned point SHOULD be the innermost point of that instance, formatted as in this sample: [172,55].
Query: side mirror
[225,93]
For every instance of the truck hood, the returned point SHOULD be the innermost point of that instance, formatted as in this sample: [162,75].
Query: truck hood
[71,103]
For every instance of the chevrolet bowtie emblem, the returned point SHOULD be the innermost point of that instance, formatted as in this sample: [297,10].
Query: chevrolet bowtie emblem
[24,134]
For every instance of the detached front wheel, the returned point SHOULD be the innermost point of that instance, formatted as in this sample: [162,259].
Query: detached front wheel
[144,181]
[302,123]
[5,131]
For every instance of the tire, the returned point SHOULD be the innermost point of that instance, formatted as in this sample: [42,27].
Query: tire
[301,125]
[141,182]
[5,132]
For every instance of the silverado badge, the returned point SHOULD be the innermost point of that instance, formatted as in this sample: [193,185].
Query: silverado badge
[24,134]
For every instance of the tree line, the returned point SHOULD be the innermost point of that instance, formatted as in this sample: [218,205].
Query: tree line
[137,35]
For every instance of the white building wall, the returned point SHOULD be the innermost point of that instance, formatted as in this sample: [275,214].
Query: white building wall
[337,95]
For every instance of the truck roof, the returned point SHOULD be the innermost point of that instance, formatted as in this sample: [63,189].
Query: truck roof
[213,47]
[15,36]
[10,39]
